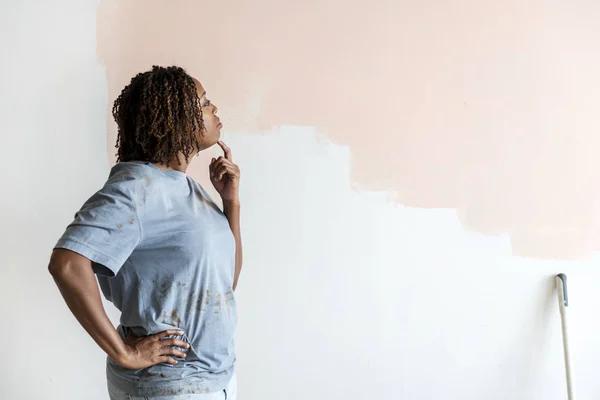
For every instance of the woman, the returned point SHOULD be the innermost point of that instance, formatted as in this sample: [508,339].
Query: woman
[163,252]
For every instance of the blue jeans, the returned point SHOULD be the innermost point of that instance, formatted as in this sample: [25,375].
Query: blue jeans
[228,394]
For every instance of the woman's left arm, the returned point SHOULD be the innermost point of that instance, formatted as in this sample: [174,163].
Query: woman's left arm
[231,209]
[225,177]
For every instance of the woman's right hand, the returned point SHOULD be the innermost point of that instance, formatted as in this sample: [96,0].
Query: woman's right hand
[150,350]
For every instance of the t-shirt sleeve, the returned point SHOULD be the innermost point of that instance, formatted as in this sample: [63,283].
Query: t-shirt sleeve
[105,230]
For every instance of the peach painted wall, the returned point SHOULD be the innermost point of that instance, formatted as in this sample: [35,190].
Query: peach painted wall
[414,174]
[485,107]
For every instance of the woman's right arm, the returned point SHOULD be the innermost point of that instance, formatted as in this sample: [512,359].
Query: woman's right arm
[76,281]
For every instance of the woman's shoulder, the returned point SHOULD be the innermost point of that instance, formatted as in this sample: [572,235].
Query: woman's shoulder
[128,177]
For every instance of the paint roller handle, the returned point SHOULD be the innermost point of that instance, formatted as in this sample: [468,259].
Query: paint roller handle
[563,302]
[563,279]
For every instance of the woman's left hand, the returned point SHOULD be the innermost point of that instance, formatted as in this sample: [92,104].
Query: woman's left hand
[225,175]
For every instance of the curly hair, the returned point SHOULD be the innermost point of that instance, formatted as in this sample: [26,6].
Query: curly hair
[158,116]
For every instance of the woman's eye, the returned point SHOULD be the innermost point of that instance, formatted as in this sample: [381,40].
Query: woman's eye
[207,103]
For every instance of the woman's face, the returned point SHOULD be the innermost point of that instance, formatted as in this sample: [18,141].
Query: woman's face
[212,123]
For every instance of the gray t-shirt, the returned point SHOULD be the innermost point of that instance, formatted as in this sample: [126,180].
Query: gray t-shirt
[164,255]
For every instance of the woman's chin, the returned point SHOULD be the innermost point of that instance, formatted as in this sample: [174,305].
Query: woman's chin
[216,136]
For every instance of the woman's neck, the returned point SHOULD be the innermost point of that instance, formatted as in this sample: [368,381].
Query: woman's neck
[179,164]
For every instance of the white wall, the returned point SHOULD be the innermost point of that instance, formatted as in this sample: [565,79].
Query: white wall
[53,111]
[344,295]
